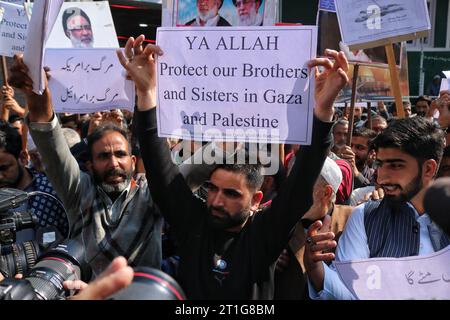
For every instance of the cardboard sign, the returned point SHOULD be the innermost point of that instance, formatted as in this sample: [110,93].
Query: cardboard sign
[13,29]
[367,24]
[88,80]
[42,20]
[445,82]
[236,83]
[418,277]
[84,25]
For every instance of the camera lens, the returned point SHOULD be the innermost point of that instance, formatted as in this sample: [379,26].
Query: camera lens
[18,258]
[151,284]
[64,262]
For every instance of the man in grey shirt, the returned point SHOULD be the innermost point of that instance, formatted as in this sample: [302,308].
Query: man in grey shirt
[108,212]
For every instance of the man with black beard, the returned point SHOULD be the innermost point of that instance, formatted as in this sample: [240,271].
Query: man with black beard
[228,247]
[408,155]
[208,14]
[358,155]
[109,212]
[13,174]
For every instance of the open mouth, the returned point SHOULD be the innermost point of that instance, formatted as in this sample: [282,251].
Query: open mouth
[391,189]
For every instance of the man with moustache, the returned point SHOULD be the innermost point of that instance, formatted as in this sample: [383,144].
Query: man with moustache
[247,11]
[408,154]
[109,212]
[51,217]
[208,14]
[228,246]
[77,27]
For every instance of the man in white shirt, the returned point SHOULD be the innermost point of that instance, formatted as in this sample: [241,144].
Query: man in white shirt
[408,156]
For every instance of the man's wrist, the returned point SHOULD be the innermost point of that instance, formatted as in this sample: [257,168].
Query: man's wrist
[324,114]
[146,100]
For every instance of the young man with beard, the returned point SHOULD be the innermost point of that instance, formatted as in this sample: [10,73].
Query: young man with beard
[227,247]
[208,14]
[108,211]
[48,212]
[408,155]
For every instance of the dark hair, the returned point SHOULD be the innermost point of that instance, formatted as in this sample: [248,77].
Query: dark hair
[364,132]
[70,12]
[10,139]
[446,151]
[252,173]
[100,132]
[340,122]
[424,98]
[416,136]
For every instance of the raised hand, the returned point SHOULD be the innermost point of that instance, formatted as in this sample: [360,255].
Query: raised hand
[141,68]
[319,240]
[329,82]
[40,106]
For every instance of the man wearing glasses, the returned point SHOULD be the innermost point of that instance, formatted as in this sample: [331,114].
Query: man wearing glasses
[77,27]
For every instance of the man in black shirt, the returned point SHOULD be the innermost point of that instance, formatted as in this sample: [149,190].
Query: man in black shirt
[227,247]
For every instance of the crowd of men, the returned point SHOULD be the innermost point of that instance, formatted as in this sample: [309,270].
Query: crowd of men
[237,234]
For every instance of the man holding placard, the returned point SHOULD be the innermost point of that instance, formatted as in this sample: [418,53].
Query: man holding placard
[227,246]
[108,211]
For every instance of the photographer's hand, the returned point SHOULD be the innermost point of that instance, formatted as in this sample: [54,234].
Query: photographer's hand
[118,276]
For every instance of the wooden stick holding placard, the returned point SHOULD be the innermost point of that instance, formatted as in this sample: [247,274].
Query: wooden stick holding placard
[352,104]
[369,114]
[4,113]
[395,82]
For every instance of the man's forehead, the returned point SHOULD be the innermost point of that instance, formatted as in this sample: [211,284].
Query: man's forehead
[77,20]
[228,179]
[6,156]
[385,154]
[111,139]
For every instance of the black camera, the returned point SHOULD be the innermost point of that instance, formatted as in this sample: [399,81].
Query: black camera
[15,257]
[45,279]
[150,284]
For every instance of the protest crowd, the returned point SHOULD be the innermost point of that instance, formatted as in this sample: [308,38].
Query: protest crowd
[366,187]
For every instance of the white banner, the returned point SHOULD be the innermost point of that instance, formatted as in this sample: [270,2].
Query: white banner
[445,82]
[41,24]
[418,277]
[366,21]
[13,29]
[236,83]
[88,80]
[84,25]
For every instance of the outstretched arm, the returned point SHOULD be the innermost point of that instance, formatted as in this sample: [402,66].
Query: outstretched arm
[61,167]
[295,196]
[167,185]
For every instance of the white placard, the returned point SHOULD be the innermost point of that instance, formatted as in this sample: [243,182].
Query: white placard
[13,29]
[445,83]
[365,22]
[88,80]
[40,26]
[85,25]
[418,277]
[236,83]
